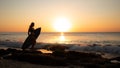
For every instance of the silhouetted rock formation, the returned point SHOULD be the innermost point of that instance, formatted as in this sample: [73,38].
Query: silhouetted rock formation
[59,58]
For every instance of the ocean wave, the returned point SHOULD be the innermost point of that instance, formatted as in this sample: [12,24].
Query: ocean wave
[112,49]
[106,49]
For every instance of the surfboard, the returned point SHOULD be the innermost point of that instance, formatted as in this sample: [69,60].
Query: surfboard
[27,43]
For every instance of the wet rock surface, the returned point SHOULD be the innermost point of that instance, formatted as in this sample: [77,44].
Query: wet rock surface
[60,58]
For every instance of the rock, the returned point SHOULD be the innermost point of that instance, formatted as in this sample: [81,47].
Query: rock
[35,57]
[57,47]
[116,58]
[3,52]
[60,58]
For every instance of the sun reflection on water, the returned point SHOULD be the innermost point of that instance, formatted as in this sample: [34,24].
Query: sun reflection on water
[62,38]
[44,51]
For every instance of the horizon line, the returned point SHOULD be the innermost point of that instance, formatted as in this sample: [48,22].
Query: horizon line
[64,32]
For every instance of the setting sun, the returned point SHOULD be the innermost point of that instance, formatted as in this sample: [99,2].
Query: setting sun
[62,24]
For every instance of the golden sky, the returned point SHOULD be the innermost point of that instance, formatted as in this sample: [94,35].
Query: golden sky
[83,15]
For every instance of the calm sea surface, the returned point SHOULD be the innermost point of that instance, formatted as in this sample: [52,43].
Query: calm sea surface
[103,38]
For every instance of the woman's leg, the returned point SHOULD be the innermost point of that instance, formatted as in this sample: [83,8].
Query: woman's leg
[33,44]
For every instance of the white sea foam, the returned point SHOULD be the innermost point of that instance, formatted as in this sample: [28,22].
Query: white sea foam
[73,47]
[106,49]
[10,44]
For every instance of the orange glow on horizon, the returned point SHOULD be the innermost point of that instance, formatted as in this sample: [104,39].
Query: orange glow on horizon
[60,15]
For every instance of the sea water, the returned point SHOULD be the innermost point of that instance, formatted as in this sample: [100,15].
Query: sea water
[83,41]
[112,38]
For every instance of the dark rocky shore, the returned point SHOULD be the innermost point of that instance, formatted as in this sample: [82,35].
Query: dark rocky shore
[60,58]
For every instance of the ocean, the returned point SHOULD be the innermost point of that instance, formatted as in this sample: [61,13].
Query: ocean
[103,38]
[79,41]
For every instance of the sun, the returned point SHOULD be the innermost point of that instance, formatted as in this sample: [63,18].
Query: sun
[62,24]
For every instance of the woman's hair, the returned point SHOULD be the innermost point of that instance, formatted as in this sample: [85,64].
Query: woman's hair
[32,24]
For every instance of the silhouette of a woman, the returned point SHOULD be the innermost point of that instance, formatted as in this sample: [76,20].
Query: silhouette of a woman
[32,34]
